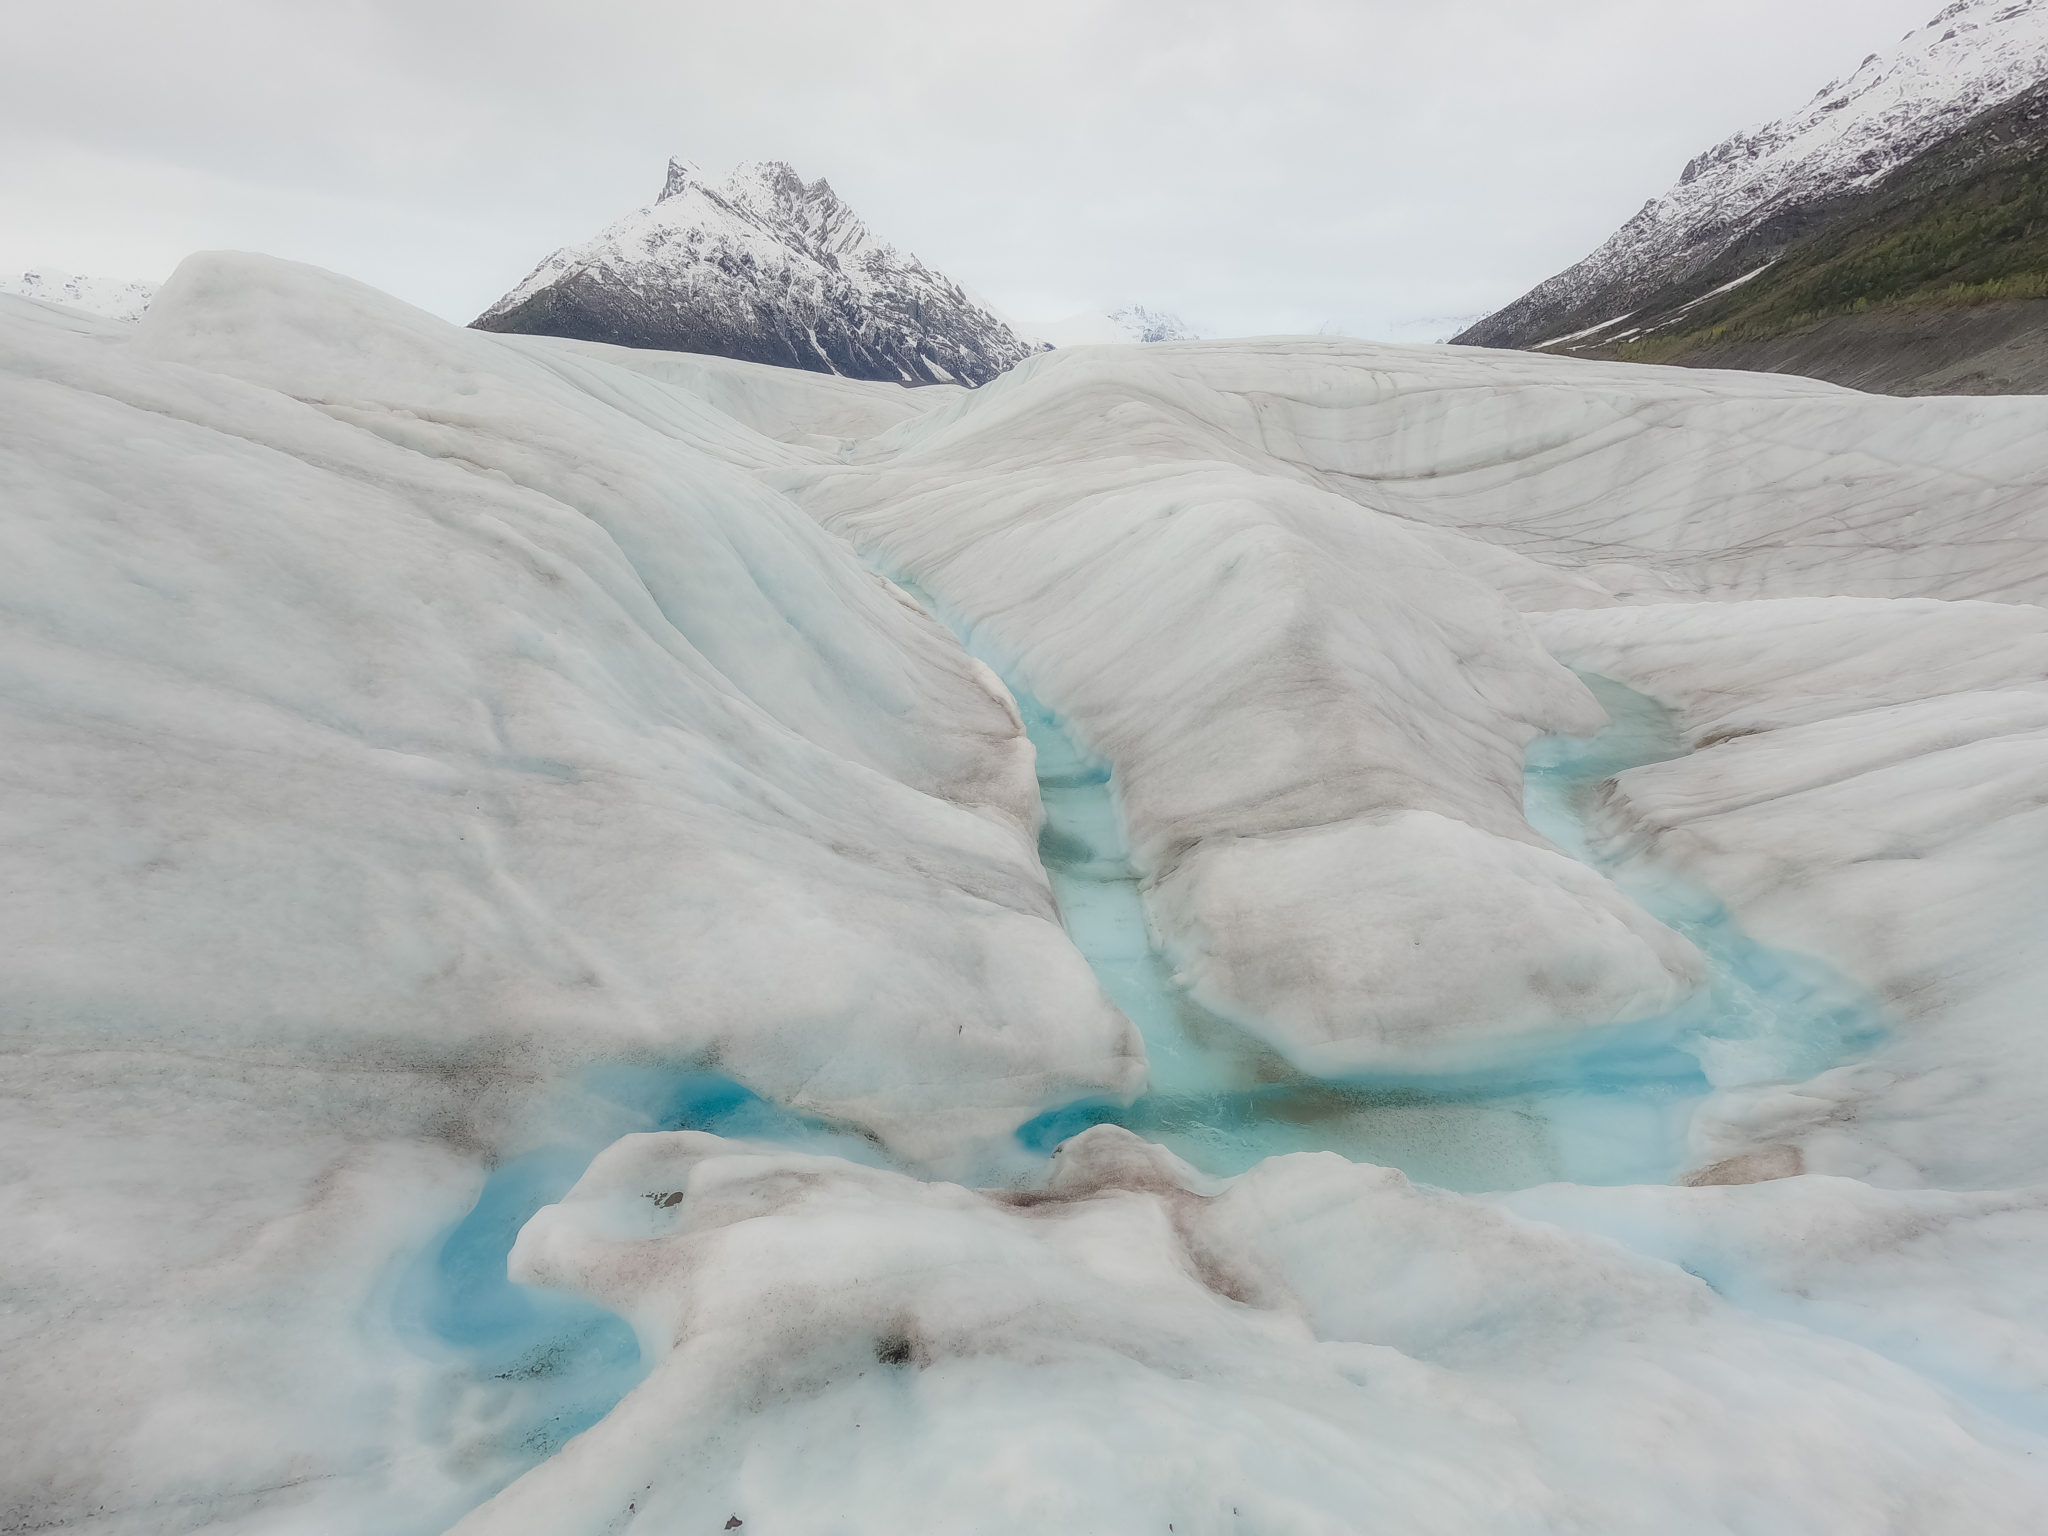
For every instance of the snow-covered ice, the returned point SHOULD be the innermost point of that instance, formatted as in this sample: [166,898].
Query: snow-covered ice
[1316,718]
[600,676]
[472,802]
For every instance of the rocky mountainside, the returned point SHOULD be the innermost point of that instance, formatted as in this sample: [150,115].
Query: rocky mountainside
[768,268]
[1888,235]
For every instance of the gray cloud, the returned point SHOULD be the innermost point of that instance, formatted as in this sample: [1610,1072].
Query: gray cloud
[1271,165]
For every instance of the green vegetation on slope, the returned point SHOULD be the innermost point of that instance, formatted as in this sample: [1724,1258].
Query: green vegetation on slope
[1964,224]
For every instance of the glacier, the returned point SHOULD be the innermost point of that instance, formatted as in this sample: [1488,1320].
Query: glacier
[1286,935]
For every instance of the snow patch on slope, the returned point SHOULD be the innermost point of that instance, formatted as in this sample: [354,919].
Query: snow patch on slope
[112,297]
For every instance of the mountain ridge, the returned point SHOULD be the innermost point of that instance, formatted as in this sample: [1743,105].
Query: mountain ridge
[1715,240]
[767,268]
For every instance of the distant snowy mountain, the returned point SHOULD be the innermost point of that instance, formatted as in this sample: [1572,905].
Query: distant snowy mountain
[766,267]
[1143,324]
[1973,56]
[112,297]
[1117,327]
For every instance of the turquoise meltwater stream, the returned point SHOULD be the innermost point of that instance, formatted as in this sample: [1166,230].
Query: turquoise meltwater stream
[1611,1106]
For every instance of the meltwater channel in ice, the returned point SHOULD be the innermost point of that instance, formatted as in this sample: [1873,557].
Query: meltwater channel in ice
[1610,1108]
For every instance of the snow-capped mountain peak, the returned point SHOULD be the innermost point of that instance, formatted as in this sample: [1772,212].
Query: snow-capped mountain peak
[1973,55]
[1116,327]
[771,194]
[766,266]
[1144,324]
[682,175]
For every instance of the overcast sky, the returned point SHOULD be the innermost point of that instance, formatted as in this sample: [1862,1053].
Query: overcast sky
[1377,167]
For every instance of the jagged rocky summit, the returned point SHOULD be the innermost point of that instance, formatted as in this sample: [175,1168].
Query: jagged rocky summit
[767,268]
[1892,234]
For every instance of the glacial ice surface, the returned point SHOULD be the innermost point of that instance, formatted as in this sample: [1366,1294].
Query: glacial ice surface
[1609,1112]
[527,962]
[1866,787]
[1316,1345]
[402,725]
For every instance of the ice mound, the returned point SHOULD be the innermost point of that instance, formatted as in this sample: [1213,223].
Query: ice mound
[453,708]
[1316,719]
[1314,1346]
[1274,584]
[1584,476]
[819,410]
[1405,938]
